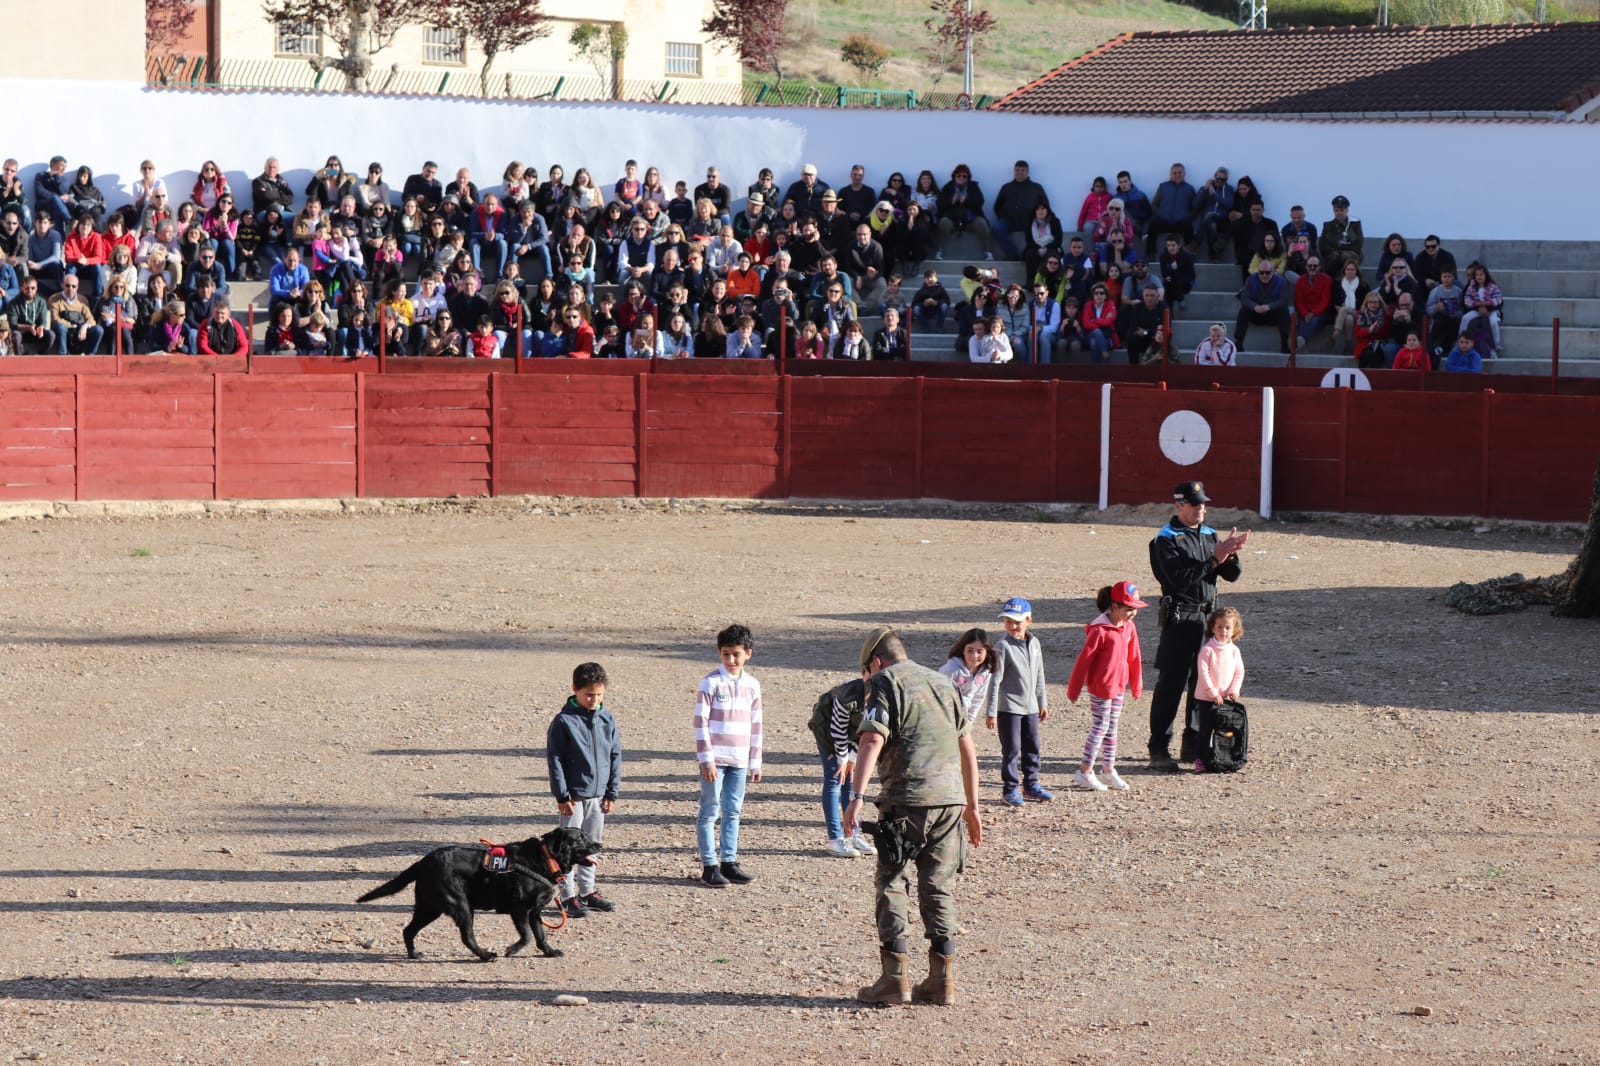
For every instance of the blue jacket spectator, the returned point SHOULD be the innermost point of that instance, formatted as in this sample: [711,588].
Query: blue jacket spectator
[1173,209]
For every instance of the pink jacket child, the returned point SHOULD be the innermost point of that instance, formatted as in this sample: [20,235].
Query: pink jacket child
[1221,667]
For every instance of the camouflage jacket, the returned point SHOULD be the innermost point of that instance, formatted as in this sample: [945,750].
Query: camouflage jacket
[919,714]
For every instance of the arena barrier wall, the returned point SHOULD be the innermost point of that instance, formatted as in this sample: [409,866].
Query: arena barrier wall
[316,428]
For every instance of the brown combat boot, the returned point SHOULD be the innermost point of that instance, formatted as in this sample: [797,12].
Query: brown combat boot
[940,987]
[895,984]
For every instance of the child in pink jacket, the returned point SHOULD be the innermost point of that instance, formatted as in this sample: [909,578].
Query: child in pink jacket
[1109,665]
[1220,673]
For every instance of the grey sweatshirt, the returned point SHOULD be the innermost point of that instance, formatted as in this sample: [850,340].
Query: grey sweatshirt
[1018,683]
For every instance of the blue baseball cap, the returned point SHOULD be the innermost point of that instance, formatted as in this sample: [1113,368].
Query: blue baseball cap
[1016,607]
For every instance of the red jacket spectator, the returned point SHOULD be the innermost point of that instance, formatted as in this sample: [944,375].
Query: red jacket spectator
[582,342]
[222,336]
[1104,317]
[90,247]
[744,282]
[1313,295]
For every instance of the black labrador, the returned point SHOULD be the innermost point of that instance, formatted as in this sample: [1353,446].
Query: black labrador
[454,880]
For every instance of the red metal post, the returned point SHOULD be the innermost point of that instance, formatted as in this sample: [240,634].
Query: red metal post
[786,453]
[494,434]
[1344,446]
[250,335]
[783,331]
[116,345]
[1294,337]
[1033,340]
[1483,481]
[78,384]
[361,434]
[1055,438]
[1555,356]
[383,346]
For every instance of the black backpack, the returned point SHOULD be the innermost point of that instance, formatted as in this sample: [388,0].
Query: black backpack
[1228,745]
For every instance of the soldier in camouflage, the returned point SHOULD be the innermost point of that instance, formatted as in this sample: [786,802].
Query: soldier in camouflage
[916,733]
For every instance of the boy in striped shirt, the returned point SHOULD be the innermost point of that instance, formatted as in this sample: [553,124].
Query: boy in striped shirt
[727,747]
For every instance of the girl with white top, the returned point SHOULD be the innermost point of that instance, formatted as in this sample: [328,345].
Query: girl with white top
[971,666]
[1217,349]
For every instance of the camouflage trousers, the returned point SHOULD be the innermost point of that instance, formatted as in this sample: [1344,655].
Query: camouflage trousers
[938,863]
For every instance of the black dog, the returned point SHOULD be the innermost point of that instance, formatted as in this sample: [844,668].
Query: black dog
[453,880]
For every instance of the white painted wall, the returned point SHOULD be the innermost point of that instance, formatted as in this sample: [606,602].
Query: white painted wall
[1457,179]
[99,40]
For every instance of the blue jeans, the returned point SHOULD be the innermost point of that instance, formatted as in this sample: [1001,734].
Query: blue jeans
[1309,325]
[228,256]
[542,253]
[495,243]
[411,245]
[832,810]
[67,337]
[1099,345]
[725,794]
[932,321]
[1002,236]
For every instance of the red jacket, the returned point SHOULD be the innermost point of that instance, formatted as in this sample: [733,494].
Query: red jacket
[1379,332]
[1106,319]
[582,341]
[1412,359]
[1313,296]
[1109,662]
[216,346]
[93,248]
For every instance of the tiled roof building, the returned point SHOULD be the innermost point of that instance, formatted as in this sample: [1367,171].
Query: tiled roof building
[1531,70]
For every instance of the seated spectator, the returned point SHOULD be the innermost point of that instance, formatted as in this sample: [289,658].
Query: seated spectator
[288,279]
[833,311]
[1313,300]
[275,237]
[1341,238]
[1148,328]
[744,278]
[1216,349]
[1078,268]
[1044,324]
[995,345]
[1444,310]
[486,229]
[1172,209]
[210,186]
[645,341]
[248,247]
[626,192]
[206,266]
[118,316]
[10,286]
[864,255]
[46,263]
[1094,205]
[467,195]
[856,198]
[468,304]
[1299,240]
[1349,296]
[84,254]
[851,343]
[894,296]
[1073,337]
[722,254]
[1397,279]
[443,339]
[28,315]
[1135,204]
[1431,265]
[198,304]
[916,235]
[1213,206]
[83,198]
[1013,310]
[711,339]
[1371,330]
[1249,233]
[932,302]
[1270,251]
[169,333]
[636,255]
[147,306]
[1483,300]
[1114,222]
[77,333]
[828,275]
[14,241]
[720,195]
[892,342]
[388,263]
[755,213]
[1177,272]
[635,303]
[269,191]
[1015,206]
[704,226]
[557,342]
[282,336]
[1099,318]
[680,208]
[140,189]
[1135,284]
[49,186]
[1264,299]
[870,289]
[807,192]
[1404,318]
[577,242]
[1411,355]
[1041,237]
[1464,357]
[1394,247]
[481,342]
[221,335]
[961,209]
[512,323]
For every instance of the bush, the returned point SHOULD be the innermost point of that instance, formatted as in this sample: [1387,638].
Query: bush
[865,54]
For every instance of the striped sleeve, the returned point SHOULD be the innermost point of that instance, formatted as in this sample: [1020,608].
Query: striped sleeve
[702,723]
[839,731]
[755,726]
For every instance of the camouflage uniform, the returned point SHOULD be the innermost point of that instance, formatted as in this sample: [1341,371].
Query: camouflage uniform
[919,714]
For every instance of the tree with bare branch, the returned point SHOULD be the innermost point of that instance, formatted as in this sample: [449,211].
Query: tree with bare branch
[753,28]
[499,26]
[949,30]
[359,28]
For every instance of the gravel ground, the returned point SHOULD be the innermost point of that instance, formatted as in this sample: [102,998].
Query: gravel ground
[221,729]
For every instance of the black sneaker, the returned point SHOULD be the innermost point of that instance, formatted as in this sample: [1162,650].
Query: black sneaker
[596,902]
[1162,762]
[732,872]
[574,908]
[712,877]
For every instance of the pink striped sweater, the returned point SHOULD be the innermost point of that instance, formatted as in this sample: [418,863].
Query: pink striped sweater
[727,720]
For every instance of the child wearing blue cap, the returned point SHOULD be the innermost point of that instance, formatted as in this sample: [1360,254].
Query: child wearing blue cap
[1017,704]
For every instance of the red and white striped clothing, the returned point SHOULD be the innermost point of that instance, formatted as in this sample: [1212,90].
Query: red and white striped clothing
[727,720]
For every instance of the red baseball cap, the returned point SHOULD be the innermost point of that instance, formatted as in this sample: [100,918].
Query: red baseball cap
[1127,594]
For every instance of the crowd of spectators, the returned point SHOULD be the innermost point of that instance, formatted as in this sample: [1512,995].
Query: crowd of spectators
[526,266]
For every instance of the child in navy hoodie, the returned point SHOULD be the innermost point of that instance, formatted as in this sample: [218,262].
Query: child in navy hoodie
[585,756]
[1109,665]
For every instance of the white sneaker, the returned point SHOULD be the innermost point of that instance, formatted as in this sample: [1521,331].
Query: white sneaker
[988,257]
[1112,779]
[1087,780]
[939,254]
[863,845]
[841,848]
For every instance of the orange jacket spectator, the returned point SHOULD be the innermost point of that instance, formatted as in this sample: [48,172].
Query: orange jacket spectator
[744,282]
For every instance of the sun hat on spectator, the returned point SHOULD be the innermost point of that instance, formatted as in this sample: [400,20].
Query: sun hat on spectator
[1017,609]
[809,168]
[830,197]
[757,199]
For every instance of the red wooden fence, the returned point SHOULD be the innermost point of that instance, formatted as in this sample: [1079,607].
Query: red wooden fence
[609,429]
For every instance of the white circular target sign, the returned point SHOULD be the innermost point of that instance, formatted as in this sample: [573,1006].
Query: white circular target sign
[1185,437]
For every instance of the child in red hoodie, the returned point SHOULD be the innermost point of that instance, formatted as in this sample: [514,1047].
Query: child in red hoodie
[1108,665]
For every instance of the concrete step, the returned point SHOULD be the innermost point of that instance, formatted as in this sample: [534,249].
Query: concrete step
[950,272]
[1528,342]
[1537,311]
[1507,255]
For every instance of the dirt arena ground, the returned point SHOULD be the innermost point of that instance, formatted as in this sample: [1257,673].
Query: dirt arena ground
[220,730]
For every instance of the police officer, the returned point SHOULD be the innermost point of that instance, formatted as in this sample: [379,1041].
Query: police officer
[915,732]
[1187,558]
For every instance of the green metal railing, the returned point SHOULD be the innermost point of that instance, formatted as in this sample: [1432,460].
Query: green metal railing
[195,72]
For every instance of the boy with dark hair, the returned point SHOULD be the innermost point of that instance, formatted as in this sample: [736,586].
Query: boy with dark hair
[585,756]
[727,747]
